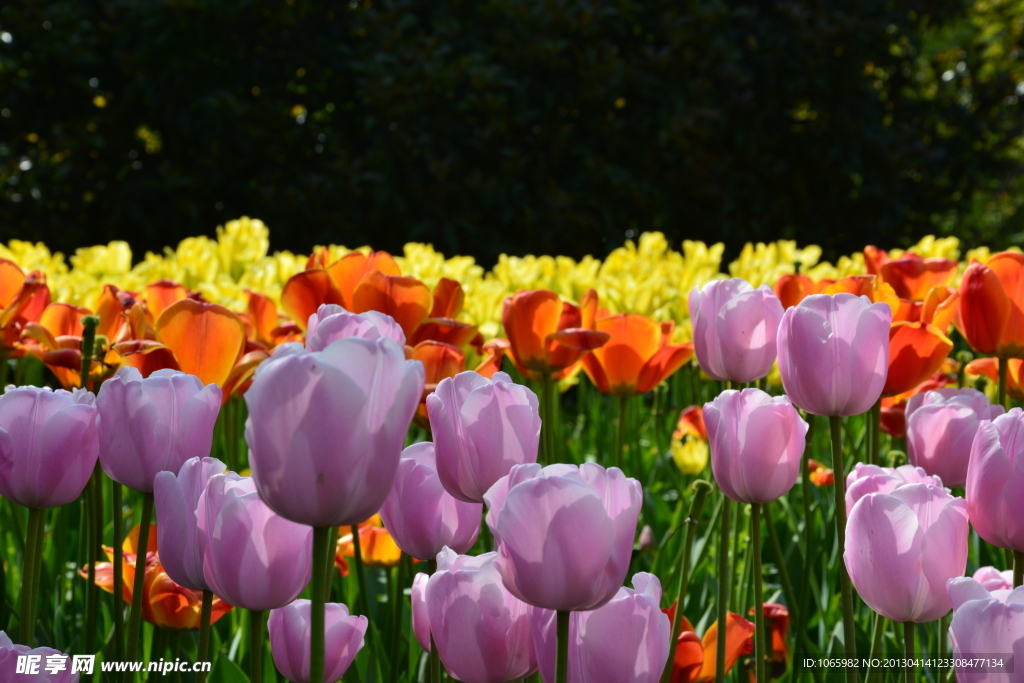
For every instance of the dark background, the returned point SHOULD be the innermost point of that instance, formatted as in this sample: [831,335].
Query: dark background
[519,126]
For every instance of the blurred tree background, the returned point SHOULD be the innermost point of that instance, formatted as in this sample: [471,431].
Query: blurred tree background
[519,126]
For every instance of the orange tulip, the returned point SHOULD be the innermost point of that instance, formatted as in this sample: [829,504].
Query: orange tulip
[793,288]
[638,356]
[691,423]
[57,341]
[161,294]
[989,367]
[376,547]
[263,324]
[348,271]
[405,299]
[547,337]
[893,413]
[776,621]
[694,658]
[865,285]
[910,275]
[820,475]
[305,292]
[23,299]
[916,352]
[164,603]
[992,305]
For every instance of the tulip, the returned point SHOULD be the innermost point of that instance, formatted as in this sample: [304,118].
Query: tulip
[819,474]
[376,547]
[43,657]
[834,352]
[994,580]
[48,445]
[252,557]
[289,629]
[564,534]
[903,547]
[638,356]
[912,276]
[481,630]
[626,640]
[866,479]
[734,329]
[332,322]
[695,657]
[986,624]
[405,299]
[155,424]
[989,367]
[482,429]
[326,429]
[793,288]
[916,352]
[892,413]
[689,444]
[421,516]
[991,301]
[441,361]
[941,426]
[995,482]
[420,616]
[757,442]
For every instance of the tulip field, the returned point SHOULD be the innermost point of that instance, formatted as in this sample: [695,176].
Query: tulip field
[220,464]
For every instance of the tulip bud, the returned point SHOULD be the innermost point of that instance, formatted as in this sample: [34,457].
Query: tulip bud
[995,481]
[9,654]
[985,622]
[865,479]
[289,630]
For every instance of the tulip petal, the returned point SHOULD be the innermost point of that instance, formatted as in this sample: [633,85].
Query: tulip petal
[305,292]
[916,352]
[206,339]
[351,268]
[161,294]
[405,299]
[448,299]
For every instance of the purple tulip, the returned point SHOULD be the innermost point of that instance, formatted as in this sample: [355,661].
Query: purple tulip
[994,580]
[420,515]
[986,623]
[252,557]
[326,429]
[626,641]
[734,329]
[564,534]
[756,444]
[51,666]
[420,617]
[995,481]
[865,479]
[482,631]
[48,445]
[834,353]
[154,424]
[903,547]
[331,322]
[177,498]
[482,428]
[290,640]
[940,430]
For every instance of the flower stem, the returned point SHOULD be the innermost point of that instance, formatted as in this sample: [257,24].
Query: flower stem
[877,631]
[205,613]
[620,442]
[849,627]
[547,421]
[1018,568]
[28,564]
[94,513]
[724,581]
[332,545]
[908,649]
[256,646]
[118,611]
[700,492]
[357,551]
[759,634]
[135,616]
[805,491]
[875,420]
[1003,368]
[321,535]
[787,586]
[435,657]
[562,648]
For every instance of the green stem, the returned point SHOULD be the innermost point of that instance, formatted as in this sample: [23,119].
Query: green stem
[398,598]
[332,545]
[877,631]
[908,649]
[787,586]
[91,590]
[118,611]
[256,647]
[28,587]
[620,442]
[135,616]
[357,551]
[548,421]
[204,633]
[435,657]
[321,535]
[562,648]
[89,324]
[724,581]
[96,517]
[1018,568]
[846,589]
[875,417]
[943,630]
[1003,367]
[805,491]
[701,489]
[759,633]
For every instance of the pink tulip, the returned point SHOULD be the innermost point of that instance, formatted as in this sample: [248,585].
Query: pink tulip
[756,444]
[626,641]
[482,428]
[154,424]
[734,329]
[420,617]
[940,430]
[420,515]
[177,498]
[865,479]
[995,481]
[903,547]
[9,653]
[48,445]
[326,429]
[834,353]
[252,557]
[564,534]
[331,322]
[289,631]
[482,631]
[994,580]
[986,624]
